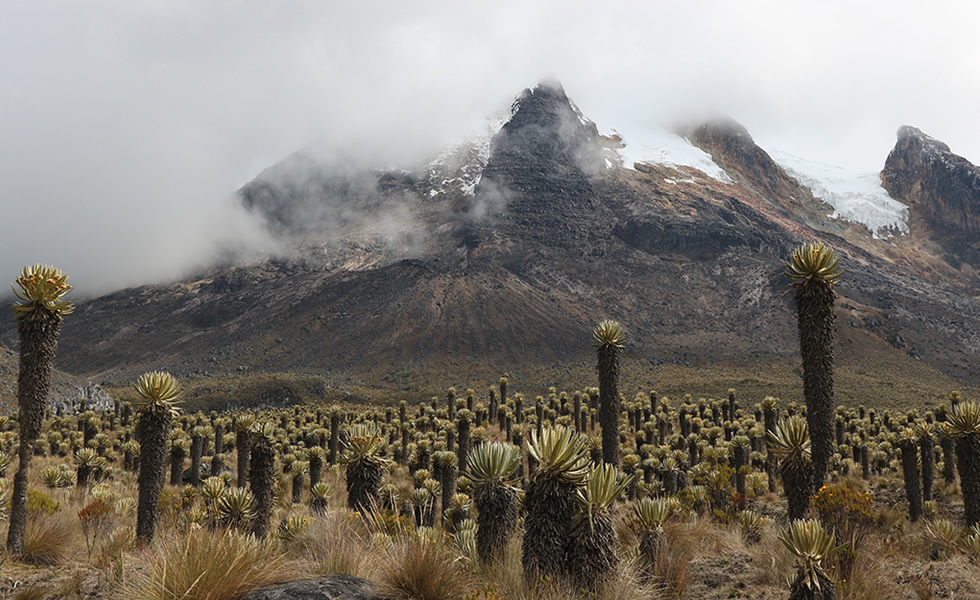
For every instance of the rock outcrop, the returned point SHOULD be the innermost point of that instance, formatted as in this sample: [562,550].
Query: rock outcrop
[328,587]
[306,194]
[942,190]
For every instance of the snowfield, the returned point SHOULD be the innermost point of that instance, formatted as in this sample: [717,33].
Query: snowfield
[656,146]
[856,197]
[661,147]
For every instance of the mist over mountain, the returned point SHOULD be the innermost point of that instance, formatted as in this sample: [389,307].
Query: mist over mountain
[504,250]
[125,128]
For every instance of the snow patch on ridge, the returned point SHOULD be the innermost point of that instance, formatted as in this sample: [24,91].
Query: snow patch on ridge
[856,197]
[655,146]
[661,147]
[461,166]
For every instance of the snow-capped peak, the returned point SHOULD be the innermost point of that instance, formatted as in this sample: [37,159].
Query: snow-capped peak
[856,197]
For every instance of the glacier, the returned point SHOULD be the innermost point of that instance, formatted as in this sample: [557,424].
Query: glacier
[855,197]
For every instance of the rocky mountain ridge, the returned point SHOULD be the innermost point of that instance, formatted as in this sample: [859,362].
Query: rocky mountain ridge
[941,189]
[501,255]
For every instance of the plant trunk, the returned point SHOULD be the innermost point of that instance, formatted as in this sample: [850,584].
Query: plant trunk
[798,485]
[176,466]
[363,481]
[818,334]
[928,453]
[217,465]
[197,445]
[38,340]
[609,403]
[335,436]
[968,463]
[550,507]
[590,555]
[243,447]
[741,460]
[153,431]
[799,590]
[949,459]
[462,441]
[497,518]
[261,477]
[910,469]
[297,488]
[316,467]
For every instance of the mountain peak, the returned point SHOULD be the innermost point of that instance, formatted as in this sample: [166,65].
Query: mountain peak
[941,188]
[730,145]
[538,177]
[718,127]
[548,109]
[909,135]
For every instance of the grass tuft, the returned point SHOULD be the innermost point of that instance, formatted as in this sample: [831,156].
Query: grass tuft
[422,569]
[49,539]
[31,592]
[335,544]
[208,565]
[670,572]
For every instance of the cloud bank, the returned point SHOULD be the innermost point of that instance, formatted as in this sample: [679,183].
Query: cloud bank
[126,126]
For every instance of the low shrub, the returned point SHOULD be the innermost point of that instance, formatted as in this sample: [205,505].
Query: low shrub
[39,502]
[851,516]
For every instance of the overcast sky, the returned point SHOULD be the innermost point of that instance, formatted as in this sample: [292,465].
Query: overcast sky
[125,126]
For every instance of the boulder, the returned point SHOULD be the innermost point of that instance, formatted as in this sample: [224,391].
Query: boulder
[328,587]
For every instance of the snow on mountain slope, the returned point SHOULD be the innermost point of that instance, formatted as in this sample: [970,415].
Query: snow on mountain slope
[659,146]
[461,166]
[654,146]
[856,197]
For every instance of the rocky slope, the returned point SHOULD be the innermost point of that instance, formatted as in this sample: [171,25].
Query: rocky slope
[503,252]
[942,191]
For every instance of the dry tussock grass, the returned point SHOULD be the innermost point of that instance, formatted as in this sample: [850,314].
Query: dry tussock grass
[421,569]
[51,540]
[872,578]
[670,572]
[337,543]
[207,565]
[773,562]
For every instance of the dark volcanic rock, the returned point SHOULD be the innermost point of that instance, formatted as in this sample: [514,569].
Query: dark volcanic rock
[538,179]
[718,227]
[731,146]
[329,587]
[941,189]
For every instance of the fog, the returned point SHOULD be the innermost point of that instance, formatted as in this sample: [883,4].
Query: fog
[125,127]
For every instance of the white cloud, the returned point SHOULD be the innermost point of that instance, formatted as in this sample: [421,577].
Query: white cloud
[125,125]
